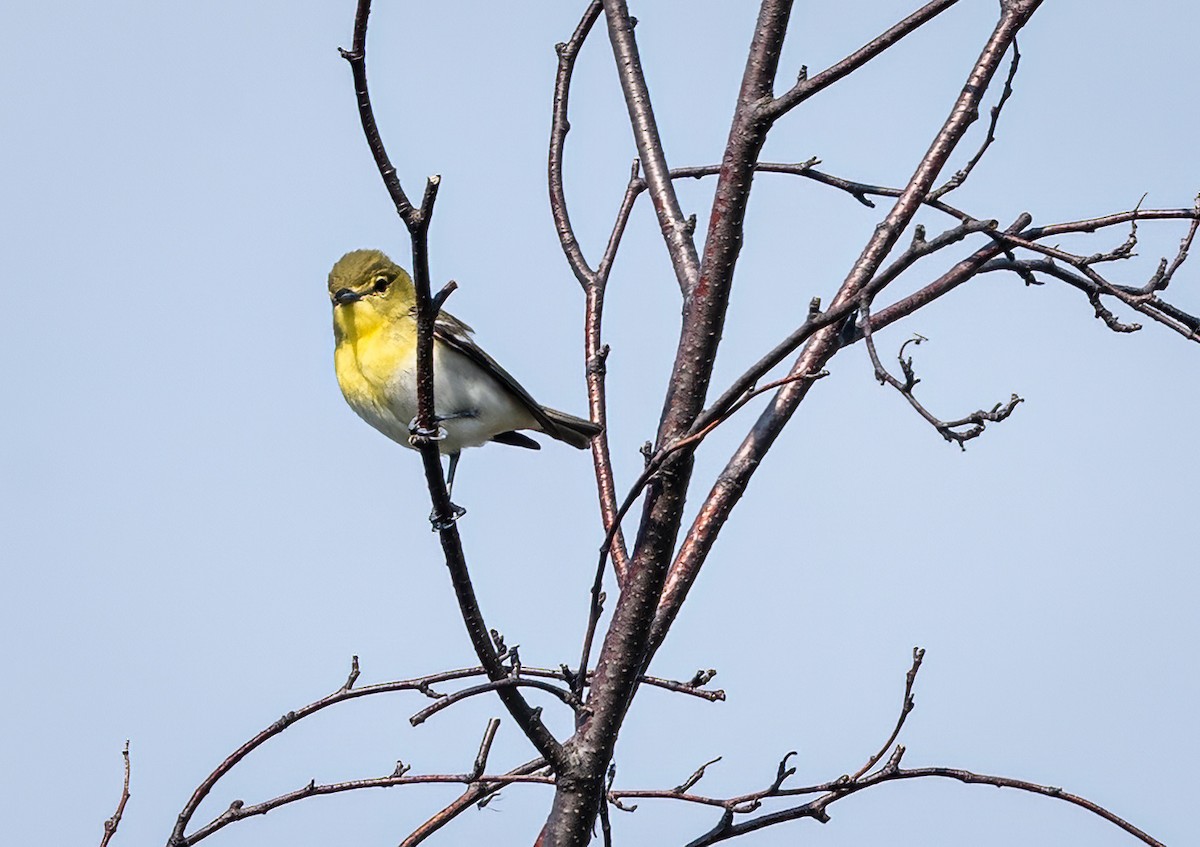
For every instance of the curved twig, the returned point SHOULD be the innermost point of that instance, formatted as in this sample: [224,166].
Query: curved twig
[560,125]
[449,700]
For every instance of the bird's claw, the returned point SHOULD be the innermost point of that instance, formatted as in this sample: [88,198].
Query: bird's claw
[417,435]
[456,512]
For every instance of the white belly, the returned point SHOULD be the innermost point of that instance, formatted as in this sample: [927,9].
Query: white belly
[473,406]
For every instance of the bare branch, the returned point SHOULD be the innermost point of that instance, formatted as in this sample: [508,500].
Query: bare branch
[807,86]
[706,285]
[597,353]
[110,825]
[496,685]
[424,436]
[560,125]
[816,808]
[671,219]
[239,811]
[949,430]
[906,707]
[1139,299]
[357,57]
[1182,322]
[860,191]
[475,793]
[1164,274]
[422,685]
[687,445]
[961,176]
[728,827]
[594,282]
[697,775]
[485,747]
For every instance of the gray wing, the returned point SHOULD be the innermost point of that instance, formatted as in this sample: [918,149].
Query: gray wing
[457,335]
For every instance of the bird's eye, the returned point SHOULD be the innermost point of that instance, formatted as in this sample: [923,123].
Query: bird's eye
[381,284]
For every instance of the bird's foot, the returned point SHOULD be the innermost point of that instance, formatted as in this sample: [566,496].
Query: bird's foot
[418,436]
[456,512]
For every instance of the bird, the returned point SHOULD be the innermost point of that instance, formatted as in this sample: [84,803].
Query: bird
[476,401]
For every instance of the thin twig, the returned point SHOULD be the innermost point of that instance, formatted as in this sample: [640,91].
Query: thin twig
[806,86]
[860,191]
[495,685]
[961,176]
[239,811]
[475,792]
[346,692]
[905,708]
[560,125]
[110,825]
[357,57]
[676,233]
[485,747]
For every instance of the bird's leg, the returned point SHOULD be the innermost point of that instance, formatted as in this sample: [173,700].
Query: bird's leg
[456,512]
[440,434]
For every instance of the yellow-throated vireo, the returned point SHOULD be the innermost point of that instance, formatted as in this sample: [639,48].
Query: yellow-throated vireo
[476,400]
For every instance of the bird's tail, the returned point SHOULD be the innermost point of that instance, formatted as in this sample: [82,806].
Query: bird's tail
[569,429]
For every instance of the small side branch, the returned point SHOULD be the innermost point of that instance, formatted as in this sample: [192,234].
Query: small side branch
[806,86]
[514,681]
[478,792]
[952,431]
[961,176]
[110,825]
[906,707]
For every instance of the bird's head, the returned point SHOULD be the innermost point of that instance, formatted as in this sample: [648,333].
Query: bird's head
[367,290]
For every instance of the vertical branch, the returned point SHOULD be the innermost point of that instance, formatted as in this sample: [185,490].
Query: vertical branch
[675,229]
[593,282]
[706,287]
[596,352]
[597,355]
[424,437]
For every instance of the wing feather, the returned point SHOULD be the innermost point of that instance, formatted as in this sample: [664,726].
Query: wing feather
[457,335]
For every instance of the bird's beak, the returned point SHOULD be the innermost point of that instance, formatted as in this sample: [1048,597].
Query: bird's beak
[344,295]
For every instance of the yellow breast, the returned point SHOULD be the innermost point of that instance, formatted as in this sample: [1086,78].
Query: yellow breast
[371,353]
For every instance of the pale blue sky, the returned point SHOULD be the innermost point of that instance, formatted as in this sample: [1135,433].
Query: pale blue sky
[198,533]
